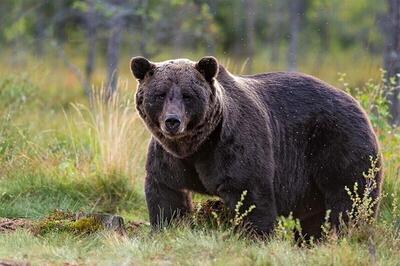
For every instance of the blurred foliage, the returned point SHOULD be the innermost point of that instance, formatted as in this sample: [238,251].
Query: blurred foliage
[206,25]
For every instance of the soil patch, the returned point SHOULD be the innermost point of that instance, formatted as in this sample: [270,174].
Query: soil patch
[10,225]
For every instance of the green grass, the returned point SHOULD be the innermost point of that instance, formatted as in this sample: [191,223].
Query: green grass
[186,246]
[55,155]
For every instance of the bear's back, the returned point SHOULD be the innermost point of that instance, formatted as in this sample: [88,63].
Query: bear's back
[298,93]
[293,98]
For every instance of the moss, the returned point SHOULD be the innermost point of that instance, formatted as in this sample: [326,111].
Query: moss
[59,221]
[43,227]
[85,225]
[58,215]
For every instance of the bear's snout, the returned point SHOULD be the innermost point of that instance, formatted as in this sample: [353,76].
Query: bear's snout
[172,124]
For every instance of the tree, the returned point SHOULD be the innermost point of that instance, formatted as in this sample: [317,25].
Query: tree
[250,7]
[116,24]
[91,35]
[276,27]
[296,12]
[391,57]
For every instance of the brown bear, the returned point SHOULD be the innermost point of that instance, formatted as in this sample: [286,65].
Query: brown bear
[290,140]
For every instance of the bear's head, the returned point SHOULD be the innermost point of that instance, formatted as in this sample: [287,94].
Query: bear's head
[177,99]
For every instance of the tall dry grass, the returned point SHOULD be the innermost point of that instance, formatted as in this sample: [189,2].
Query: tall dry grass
[116,136]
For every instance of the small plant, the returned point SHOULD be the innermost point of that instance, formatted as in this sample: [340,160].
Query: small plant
[363,206]
[238,219]
[395,212]
[287,228]
[361,217]
[326,226]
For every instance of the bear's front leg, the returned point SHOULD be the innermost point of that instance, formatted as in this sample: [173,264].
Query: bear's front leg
[165,203]
[258,202]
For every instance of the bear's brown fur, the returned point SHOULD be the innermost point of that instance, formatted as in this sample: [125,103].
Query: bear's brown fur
[290,140]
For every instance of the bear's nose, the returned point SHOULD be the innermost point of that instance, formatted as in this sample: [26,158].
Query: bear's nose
[172,123]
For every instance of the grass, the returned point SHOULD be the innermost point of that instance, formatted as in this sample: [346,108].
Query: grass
[186,246]
[60,151]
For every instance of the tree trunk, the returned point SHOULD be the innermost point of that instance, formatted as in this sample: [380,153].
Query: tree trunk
[177,42]
[39,32]
[91,35]
[276,22]
[250,7]
[323,35]
[294,21]
[237,29]
[275,45]
[113,46]
[391,57]
[144,29]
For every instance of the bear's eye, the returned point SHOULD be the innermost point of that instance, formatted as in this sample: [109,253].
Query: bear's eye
[160,96]
[186,97]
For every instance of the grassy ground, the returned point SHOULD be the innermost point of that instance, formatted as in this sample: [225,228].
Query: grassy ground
[57,153]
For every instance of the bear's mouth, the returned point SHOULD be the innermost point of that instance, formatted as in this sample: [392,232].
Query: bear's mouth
[173,136]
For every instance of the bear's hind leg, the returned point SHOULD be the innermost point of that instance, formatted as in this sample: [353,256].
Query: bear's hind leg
[336,197]
[339,204]
[311,214]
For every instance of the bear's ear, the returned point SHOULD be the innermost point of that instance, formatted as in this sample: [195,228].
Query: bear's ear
[208,67]
[140,66]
